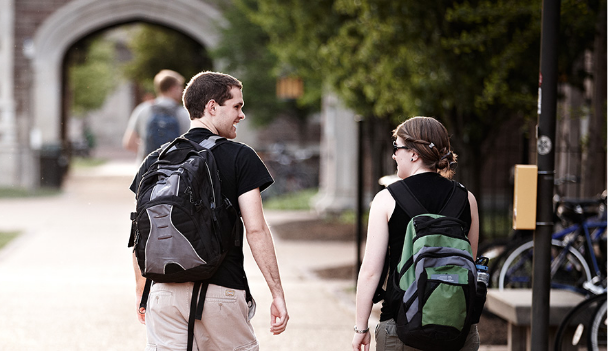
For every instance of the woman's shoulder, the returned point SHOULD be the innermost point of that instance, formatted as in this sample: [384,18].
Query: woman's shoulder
[383,203]
[383,197]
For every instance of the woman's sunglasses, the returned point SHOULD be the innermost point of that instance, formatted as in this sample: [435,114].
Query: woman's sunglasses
[396,147]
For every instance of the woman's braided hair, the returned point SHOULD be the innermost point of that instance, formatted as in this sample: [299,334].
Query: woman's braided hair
[430,139]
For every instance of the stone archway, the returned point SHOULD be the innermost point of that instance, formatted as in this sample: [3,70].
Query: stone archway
[82,17]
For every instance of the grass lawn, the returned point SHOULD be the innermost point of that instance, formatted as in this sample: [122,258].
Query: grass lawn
[6,192]
[291,201]
[6,237]
[80,162]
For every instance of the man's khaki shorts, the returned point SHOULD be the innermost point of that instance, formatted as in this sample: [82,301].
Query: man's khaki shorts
[225,324]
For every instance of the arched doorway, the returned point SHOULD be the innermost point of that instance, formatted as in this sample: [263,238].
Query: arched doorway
[78,19]
[107,73]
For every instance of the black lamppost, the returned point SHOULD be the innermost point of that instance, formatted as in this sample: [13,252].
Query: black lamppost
[547,106]
[359,206]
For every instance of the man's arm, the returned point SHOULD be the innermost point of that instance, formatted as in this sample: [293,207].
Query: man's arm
[262,248]
[140,282]
[130,140]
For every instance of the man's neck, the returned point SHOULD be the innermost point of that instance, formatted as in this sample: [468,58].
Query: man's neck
[200,123]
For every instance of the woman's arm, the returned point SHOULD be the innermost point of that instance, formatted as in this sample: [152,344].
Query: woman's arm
[474,230]
[373,263]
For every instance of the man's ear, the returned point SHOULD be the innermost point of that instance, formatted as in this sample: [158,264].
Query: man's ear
[210,107]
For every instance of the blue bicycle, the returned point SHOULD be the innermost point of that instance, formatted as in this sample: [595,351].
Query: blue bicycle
[578,252]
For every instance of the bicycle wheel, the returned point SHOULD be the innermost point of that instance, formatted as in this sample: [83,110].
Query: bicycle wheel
[597,332]
[575,332]
[498,252]
[569,270]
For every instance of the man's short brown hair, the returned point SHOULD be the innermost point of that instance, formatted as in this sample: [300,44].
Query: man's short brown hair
[207,86]
[167,79]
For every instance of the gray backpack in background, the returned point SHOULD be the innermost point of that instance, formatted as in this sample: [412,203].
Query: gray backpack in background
[162,127]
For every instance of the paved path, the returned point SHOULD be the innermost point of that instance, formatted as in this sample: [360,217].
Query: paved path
[67,283]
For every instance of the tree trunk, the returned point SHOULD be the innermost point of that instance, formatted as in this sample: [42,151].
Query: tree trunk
[379,137]
[470,173]
[594,158]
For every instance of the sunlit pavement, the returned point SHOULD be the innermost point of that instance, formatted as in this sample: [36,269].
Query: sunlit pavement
[67,282]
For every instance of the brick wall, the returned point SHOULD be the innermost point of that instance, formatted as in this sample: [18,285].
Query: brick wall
[29,15]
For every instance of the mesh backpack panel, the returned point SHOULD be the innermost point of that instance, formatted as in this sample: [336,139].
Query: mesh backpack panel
[162,127]
[436,276]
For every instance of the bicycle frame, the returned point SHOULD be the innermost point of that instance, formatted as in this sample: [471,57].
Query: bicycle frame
[567,241]
[600,227]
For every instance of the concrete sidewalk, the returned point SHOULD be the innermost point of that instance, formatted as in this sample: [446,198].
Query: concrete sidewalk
[67,283]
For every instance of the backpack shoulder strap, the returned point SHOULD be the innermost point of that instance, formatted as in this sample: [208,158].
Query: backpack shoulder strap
[406,199]
[412,207]
[208,143]
[212,142]
[171,146]
[456,202]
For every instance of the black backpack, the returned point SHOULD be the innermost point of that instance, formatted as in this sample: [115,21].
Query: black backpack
[183,226]
[162,127]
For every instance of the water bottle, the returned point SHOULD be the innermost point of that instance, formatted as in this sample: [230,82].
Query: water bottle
[480,296]
[482,270]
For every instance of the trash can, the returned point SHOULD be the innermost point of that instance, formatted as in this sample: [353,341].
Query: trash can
[53,165]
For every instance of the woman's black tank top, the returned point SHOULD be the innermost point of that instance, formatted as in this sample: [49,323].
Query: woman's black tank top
[432,191]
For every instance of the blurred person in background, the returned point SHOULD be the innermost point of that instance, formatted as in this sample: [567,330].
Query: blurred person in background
[168,86]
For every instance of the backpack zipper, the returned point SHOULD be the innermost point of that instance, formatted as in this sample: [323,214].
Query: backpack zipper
[212,189]
[456,237]
[443,255]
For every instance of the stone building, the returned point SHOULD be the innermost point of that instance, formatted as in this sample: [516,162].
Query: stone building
[35,36]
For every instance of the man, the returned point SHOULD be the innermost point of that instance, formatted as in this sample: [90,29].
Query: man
[168,86]
[214,102]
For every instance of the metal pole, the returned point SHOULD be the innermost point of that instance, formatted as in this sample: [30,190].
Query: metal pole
[547,106]
[359,205]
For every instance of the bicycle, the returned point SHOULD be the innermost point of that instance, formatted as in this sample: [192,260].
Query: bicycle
[584,327]
[498,250]
[574,261]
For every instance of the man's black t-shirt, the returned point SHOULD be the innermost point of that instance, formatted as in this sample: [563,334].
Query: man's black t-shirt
[241,171]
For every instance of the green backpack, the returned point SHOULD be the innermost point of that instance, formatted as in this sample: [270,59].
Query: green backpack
[436,275]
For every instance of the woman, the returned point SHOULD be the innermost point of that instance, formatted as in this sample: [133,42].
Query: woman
[424,158]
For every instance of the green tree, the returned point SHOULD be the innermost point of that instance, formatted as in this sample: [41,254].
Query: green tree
[471,64]
[244,52]
[92,75]
[155,48]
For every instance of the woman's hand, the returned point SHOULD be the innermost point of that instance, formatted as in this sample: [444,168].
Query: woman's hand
[361,342]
